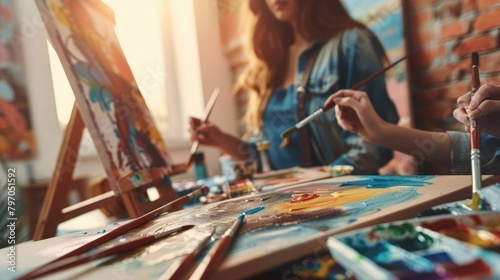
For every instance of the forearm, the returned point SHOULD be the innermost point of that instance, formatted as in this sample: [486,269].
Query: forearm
[233,146]
[434,147]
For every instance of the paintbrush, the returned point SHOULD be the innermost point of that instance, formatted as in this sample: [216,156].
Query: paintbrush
[287,133]
[180,268]
[475,139]
[206,114]
[217,253]
[99,254]
[132,224]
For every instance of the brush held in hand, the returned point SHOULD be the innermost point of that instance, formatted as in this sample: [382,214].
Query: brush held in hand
[288,132]
[475,139]
[206,114]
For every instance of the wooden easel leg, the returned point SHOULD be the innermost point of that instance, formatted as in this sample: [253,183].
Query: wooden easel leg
[57,192]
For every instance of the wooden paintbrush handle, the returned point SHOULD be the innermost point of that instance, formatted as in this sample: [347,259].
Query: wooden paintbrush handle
[475,126]
[369,79]
[215,259]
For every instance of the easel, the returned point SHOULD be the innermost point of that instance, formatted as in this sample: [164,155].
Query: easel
[129,186]
[54,210]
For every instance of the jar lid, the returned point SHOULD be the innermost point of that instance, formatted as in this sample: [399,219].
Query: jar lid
[198,157]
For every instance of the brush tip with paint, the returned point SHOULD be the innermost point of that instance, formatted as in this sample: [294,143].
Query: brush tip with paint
[241,217]
[287,133]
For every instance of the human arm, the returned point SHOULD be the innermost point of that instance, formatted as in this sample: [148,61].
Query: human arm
[359,58]
[355,113]
[485,104]
[210,135]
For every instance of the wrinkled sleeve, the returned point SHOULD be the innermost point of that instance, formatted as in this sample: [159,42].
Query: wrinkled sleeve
[360,57]
[460,153]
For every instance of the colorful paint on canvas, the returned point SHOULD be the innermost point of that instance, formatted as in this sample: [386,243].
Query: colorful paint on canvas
[274,221]
[82,33]
[16,134]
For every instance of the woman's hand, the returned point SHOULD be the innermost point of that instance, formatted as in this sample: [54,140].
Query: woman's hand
[355,113]
[485,104]
[205,132]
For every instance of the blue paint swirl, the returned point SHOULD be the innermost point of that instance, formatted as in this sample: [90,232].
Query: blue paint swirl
[253,210]
[382,182]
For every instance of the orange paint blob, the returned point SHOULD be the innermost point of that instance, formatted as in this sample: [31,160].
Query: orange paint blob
[303,197]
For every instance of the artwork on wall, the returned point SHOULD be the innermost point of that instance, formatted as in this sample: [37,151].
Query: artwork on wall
[106,93]
[16,133]
[386,19]
[279,226]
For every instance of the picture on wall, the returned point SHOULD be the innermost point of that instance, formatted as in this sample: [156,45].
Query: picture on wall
[386,19]
[16,133]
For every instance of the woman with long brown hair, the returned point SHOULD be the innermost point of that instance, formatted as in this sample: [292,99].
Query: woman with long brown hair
[283,37]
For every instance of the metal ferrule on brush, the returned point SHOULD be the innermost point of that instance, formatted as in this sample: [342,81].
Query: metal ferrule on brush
[476,169]
[309,118]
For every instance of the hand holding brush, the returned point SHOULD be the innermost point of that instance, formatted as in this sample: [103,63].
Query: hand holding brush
[475,139]
[329,105]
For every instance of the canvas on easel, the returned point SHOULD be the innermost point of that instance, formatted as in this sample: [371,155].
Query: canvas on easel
[109,104]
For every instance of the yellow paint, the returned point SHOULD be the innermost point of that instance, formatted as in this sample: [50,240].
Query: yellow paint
[334,199]
[473,203]
[480,238]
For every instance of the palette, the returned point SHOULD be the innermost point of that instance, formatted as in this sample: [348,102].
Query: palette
[443,247]
[280,226]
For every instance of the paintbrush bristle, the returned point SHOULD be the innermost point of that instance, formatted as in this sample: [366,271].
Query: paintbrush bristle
[287,133]
[475,58]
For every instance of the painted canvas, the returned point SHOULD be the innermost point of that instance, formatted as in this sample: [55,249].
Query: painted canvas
[280,226]
[16,132]
[106,93]
[386,19]
[444,247]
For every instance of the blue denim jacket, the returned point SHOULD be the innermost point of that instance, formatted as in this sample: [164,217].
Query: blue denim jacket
[460,153]
[359,57]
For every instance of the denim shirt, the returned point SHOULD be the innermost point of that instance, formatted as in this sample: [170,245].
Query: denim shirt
[460,153]
[359,57]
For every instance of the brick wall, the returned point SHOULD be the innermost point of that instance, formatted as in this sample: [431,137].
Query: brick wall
[442,34]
